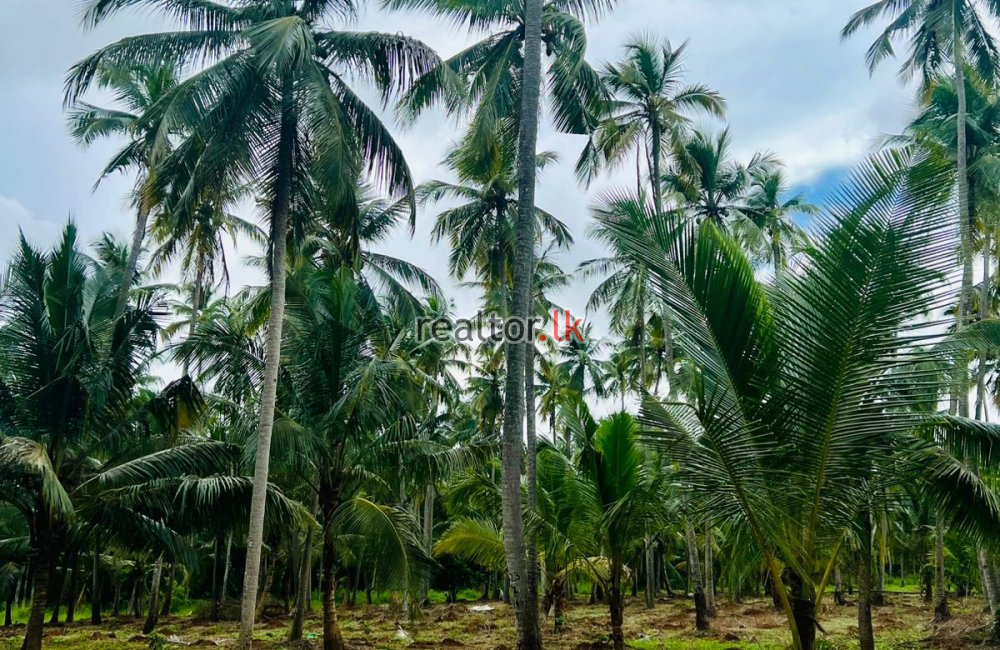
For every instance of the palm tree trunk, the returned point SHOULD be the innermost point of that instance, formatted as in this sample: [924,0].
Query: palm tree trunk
[268,566]
[986,579]
[838,588]
[655,173]
[964,215]
[303,595]
[329,503]
[525,608]
[531,466]
[195,306]
[168,596]
[941,610]
[425,585]
[138,234]
[154,597]
[216,595]
[224,587]
[57,583]
[709,572]
[43,574]
[984,314]
[866,633]
[650,573]
[694,575]
[95,585]
[272,357]
[616,609]
[71,594]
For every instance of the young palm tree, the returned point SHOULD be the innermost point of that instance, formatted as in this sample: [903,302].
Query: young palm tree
[798,380]
[271,108]
[137,87]
[646,109]
[629,487]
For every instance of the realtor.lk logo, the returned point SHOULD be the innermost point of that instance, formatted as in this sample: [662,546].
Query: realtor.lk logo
[492,327]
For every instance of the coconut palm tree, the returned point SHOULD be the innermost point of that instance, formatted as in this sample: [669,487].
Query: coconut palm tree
[769,230]
[844,322]
[271,107]
[137,87]
[630,486]
[647,108]
[951,31]
[488,77]
[707,182]
[480,229]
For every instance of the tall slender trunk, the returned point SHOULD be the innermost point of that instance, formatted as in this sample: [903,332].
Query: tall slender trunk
[57,583]
[132,263]
[838,588]
[71,593]
[224,587]
[709,572]
[303,596]
[941,610]
[43,574]
[694,575]
[531,464]
[525,607]
[95,585]
[964,215]
[216,595]
[168,596]
[655,172]
[866,633]
[196,293]
[329,503]
[984,314]
[650,573]
[272,357]
[986,579]
[428,522]
[154,597]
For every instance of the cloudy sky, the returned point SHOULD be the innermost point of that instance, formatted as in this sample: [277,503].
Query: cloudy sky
[793,88]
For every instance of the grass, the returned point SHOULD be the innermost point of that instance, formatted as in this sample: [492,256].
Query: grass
[903,624]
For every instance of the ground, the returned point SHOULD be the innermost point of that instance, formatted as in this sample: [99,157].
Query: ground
[903,624]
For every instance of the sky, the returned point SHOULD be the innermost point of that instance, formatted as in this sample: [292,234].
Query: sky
[792,86]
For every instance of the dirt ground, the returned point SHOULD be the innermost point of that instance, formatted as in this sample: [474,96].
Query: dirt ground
[902,624]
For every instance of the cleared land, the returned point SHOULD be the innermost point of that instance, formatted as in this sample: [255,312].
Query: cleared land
[904,623]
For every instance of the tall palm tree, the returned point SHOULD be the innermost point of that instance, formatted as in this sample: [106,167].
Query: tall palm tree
[272,108]
[707,182]
[480,230]
[647,107]
[769,231]
[488,77]
[137,87]
[938,32]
